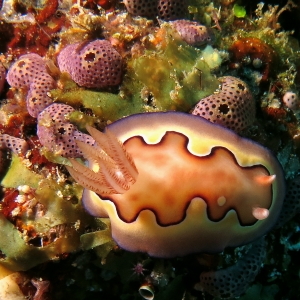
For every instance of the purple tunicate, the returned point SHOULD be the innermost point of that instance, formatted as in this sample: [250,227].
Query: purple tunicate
[193,33]
[27,68]
[171,9]
[232,107]
[63,59]
[144,8]
[163,9]
[30,72]
[94,64]
[37,98]
[16,145]
[57,134]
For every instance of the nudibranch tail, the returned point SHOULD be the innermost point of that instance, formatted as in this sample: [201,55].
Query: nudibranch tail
[115,170]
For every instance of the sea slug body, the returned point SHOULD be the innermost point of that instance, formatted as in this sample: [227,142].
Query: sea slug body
[173,184]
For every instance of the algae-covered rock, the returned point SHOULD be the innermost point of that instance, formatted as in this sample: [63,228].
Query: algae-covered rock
[168,75]
[20,256]
[108,106]
[24,175]
[174,73]
[101,240]
[48,220]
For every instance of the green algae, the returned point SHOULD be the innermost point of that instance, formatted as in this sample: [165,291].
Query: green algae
[174,74]
[20,256]
[95,239]
[24,177]
[62,205]
[175,84]
[108,106]
[101,240]
[81,120]
[61,212]
[55,158]
[239,11]
[168,76]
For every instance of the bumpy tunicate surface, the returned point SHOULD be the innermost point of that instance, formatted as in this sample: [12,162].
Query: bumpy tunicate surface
[233,281]
[145,8]
[193,33]
[27,68]
[233,106]
[63,58]
[30,72]
[163,9]
[171,9]
[37,98]
[16,145]
[57,134]
[95,64]
[291,100]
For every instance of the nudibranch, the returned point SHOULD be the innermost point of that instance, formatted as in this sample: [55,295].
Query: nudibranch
[173,184]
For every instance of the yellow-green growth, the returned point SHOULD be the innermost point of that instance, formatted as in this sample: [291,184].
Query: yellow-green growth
[169,76]
[174,74]
[239,11]
[25,177]
[62,211]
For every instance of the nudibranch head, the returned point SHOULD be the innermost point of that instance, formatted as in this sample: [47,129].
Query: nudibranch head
[173,184]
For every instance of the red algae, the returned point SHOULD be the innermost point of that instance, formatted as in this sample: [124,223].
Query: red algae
[36,38]
[38,160]
[18,125]
[108,5]
[8,203]
[255,49]
[47,12]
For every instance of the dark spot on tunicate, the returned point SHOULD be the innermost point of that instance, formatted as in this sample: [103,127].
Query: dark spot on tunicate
[224,109]
[241,87]
[61,130]
[21,64]
[90,57]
